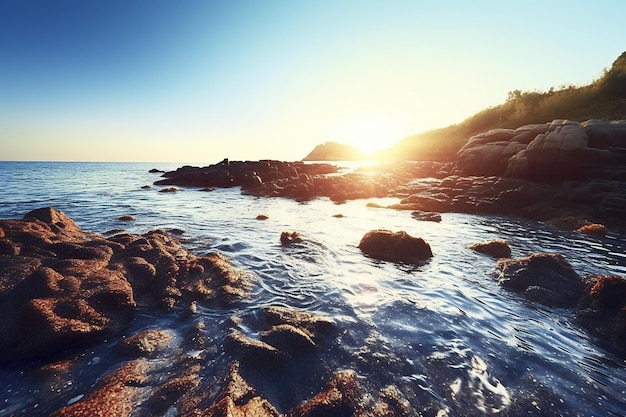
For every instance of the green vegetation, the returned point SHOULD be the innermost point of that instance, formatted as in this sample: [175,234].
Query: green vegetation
[604,98]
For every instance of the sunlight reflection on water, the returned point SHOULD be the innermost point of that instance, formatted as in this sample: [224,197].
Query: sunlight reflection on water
[444,331]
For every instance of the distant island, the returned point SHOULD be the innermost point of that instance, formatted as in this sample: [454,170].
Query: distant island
[604,98]
[332,151]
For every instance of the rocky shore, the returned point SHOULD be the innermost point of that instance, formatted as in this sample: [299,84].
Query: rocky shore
[544,172]
[63,289]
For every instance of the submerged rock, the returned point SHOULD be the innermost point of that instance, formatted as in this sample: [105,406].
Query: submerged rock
[604,307]
[497,248]
[395,247]
[288,238]
[545,278]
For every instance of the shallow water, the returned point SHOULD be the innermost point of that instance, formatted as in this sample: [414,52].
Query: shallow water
[452,340]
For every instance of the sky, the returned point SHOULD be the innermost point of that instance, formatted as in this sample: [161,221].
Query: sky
[199,81]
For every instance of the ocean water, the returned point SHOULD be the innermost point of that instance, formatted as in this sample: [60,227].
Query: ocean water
[444,333]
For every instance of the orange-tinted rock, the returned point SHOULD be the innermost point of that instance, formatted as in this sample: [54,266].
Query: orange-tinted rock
[396,247]
[148,343]
[593,229]
[605,304]
[60,286]
[340,397]
[117,395]
[497,248]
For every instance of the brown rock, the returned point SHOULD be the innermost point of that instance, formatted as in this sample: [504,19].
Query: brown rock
[497,248]
[396,247]
[545,278]
[148,343]
[117,395]
[288,238]
[340,398]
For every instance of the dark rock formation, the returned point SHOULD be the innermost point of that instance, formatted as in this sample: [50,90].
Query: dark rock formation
[497,248]
[281,334]
[60,286]
[340,397]
[249,175]
[426,216]
[396,247]
[549,152]
[603,308]
[288,238]
[545,278]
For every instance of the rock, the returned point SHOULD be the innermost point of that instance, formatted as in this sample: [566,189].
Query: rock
[316,326]
[262,217]
[593,229]
[126,218]
[340,397]
[169,190]
[426,216]
[148,343]
[248,348]
[395,247]
[288,238]
[61,287]
[497,248]
[239,399]
[116,395]
[545,278]
[604,307]
[156,171]
[289,339]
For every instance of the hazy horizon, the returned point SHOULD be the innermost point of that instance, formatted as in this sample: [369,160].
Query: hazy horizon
[201,81]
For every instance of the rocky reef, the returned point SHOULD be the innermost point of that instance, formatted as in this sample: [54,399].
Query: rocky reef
[64,290]
[542,171]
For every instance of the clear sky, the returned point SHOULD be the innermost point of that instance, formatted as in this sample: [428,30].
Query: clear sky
[197,81]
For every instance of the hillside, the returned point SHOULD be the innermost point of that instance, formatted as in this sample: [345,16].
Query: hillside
[605,98]
[331,151]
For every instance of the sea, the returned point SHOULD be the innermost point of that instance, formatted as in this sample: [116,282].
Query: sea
[444,333]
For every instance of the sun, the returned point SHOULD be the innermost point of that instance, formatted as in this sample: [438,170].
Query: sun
[368,132]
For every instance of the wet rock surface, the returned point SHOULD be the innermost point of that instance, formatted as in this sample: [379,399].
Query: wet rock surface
[395,246]
[61,287]
[496,248]
[552,170]
[545,278]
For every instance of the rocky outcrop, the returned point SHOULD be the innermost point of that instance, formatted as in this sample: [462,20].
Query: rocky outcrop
[599,302]
[395,247]
[497,248]
[554,151]
[603,307]
[545,278]
[60,286]
[248,175]
[280,335]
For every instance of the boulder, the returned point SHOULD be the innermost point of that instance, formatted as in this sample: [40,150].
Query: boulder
[395,247]
[288,238]
[545,278]
[340,397]
[497,248]
[603,307]
[61,287]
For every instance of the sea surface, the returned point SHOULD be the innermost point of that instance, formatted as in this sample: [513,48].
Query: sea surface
[452,340]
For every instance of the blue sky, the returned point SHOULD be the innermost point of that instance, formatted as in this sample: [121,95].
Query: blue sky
[198,81]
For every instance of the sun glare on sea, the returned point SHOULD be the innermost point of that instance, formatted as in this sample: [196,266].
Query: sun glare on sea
[368,133]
